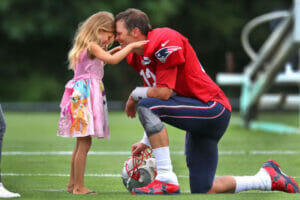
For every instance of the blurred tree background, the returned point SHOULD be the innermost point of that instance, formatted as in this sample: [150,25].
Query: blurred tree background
[36,36]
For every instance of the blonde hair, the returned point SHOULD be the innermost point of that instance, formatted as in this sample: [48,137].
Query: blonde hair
[87,32]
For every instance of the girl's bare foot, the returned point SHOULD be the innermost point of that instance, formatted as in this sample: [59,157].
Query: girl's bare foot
[70,188]
[83,191]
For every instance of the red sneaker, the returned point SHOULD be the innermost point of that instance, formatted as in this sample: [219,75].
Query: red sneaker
[280,181]
[157,187]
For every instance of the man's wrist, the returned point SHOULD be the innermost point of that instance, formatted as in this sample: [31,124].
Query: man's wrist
[139,93]
[145,140]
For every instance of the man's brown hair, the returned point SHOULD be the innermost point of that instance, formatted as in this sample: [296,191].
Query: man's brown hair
[135,18]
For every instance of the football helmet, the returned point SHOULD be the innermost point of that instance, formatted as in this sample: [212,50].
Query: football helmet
[139,171]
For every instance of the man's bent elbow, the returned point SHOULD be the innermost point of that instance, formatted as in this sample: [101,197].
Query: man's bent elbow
[163,93]
[167,94]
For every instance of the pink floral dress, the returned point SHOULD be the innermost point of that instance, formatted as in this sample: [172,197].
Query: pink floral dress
[84,106]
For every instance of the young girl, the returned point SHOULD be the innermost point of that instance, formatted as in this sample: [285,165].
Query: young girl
[83,106]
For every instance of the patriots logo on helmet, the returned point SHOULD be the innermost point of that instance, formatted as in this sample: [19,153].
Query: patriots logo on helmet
[163,53]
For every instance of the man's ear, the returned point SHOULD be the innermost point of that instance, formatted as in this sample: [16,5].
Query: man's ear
[136,32]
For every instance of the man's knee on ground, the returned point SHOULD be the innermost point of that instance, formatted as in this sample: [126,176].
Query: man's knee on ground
[198,184]
[151,122]
[223,184]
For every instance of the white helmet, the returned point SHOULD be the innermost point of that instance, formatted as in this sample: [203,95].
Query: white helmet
[139,171]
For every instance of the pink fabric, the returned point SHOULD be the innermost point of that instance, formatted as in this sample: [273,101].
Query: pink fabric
[68,92]
[90,118]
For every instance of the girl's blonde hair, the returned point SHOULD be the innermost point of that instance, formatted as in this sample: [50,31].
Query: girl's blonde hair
[88,32]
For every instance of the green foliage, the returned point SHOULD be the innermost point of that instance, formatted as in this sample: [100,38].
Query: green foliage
[40,88]
[166,9]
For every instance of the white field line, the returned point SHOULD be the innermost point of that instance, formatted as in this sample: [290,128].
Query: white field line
[88,175]
[62,175]
[118,153]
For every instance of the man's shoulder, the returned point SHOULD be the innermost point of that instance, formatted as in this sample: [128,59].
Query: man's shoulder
[161,37]
[165,29]
[162,32]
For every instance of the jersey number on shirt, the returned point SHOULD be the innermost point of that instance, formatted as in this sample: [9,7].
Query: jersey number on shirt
[149,77]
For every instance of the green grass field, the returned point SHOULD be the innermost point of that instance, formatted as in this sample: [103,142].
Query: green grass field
[35,162]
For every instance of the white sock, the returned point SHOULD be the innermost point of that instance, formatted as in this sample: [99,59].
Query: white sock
[261,181]
[164,166]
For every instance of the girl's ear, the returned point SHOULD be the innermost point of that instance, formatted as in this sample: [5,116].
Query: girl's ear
[100,31]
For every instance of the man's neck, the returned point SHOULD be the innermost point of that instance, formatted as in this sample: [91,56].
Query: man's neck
[140,51]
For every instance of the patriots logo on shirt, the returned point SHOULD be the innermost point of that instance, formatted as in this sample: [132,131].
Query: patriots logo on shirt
[163,53]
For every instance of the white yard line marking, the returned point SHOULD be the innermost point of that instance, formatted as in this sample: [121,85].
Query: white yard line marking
[14,153]
[50,190]
[62,175]
[118,153]
[87,175]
